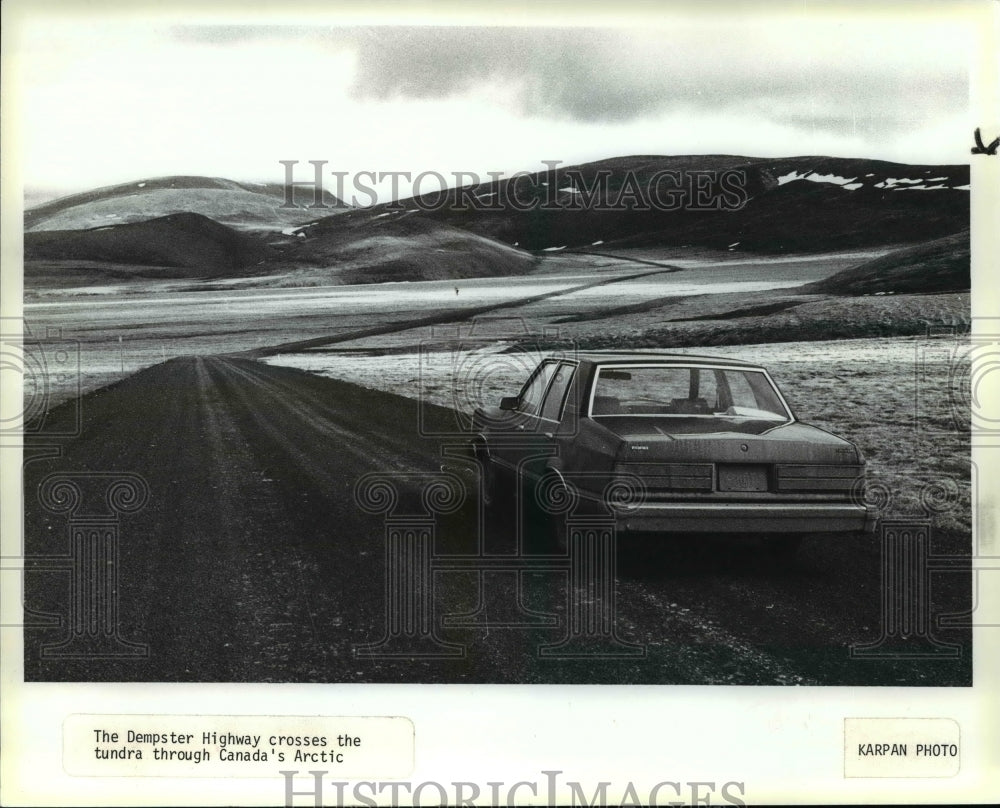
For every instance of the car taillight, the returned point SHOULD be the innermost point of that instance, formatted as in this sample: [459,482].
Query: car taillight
[670,476]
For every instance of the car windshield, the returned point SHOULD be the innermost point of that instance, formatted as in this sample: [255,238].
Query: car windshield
[671,390]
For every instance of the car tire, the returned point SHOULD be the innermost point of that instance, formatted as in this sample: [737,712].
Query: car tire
[557,533]
[489,489]
[497,499]
[553,514]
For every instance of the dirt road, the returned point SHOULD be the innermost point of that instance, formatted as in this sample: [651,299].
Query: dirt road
[253,561]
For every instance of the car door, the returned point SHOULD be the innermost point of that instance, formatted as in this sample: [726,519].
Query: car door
[554,404]
[529,439]
[542,433]
[518,437]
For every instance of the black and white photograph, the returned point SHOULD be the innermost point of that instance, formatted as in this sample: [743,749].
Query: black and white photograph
[644,348]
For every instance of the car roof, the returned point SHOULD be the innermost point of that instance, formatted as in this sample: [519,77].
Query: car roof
[622,357]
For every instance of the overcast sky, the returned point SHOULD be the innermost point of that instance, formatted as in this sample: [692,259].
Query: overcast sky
[106,101]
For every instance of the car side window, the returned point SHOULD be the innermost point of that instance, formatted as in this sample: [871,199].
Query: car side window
[708,388]
[740,390]
[531,395]
[553,406]
[750,389]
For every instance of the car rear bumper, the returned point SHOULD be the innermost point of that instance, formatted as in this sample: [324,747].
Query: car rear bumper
[748,517]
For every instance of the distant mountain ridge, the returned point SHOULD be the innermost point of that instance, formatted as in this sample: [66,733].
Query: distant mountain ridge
[794,204]
[729,202]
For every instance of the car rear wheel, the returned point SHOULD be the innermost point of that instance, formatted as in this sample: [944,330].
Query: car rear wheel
[552,501]
[488,489]
[557,533]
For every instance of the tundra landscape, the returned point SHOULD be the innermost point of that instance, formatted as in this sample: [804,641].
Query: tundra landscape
[252,358]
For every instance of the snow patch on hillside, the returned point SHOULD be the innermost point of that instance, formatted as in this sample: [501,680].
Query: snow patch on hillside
[812,176]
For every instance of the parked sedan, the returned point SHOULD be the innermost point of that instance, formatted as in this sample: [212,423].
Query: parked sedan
[667,443]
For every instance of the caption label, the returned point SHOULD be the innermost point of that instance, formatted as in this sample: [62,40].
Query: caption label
[235,746]
[901,747]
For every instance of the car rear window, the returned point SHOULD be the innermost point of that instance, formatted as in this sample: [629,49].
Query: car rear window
[692,391]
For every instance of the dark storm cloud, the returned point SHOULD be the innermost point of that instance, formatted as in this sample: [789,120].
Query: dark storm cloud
[598,75]
[576,73]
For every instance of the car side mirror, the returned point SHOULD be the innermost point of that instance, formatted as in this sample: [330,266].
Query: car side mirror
[509,402]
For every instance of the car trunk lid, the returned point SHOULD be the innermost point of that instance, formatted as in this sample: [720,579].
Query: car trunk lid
[760,458]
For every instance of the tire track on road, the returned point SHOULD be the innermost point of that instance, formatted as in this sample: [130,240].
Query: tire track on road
[270,591]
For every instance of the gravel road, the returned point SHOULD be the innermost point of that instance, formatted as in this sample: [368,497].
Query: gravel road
[253,561]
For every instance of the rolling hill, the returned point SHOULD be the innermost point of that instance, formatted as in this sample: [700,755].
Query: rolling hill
[353,247]
[180,245]
[941,265]
[239,204]
[361,247]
